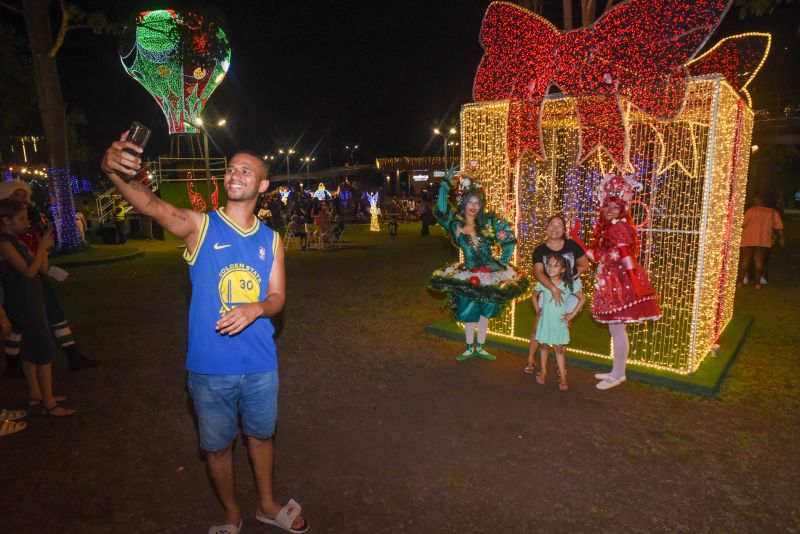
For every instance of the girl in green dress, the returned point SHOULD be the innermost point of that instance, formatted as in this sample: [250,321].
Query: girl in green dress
[481,285]
[552,329]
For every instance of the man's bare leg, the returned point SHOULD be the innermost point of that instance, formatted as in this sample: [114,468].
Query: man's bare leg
[220,467]
[261,455]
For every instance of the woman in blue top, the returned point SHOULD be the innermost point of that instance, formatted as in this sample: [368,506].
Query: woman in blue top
[482,284]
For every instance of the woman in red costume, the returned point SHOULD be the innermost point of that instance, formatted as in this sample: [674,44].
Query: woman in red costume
[623,293]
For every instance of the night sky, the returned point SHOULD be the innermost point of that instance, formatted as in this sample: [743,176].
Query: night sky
[320,75]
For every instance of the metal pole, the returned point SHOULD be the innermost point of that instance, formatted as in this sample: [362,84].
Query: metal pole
[288,181]
[208,164]
[445,151]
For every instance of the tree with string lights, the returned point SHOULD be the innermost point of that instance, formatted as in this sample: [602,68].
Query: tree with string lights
[44,49]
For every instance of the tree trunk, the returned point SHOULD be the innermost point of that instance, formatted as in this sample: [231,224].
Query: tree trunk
[567,15]
[532,5]
[51,107]
[587,12]
[48,86]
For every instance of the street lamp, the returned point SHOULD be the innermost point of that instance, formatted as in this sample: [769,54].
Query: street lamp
[287,152]
[308,160]
[445,140]
[199,123]
[351,149]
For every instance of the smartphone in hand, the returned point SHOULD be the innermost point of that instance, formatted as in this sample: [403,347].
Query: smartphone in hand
[138,134]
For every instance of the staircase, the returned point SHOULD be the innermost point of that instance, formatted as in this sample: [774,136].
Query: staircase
[105,202]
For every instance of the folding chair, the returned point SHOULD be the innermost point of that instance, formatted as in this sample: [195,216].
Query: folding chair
[288,237]
[336,239]
[313,235]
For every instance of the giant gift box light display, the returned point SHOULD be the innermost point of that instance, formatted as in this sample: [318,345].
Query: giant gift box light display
[634,98]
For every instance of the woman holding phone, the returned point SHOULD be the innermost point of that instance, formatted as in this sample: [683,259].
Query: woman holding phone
[24,299]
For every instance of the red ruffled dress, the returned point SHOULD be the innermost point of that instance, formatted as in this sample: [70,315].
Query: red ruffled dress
[615,300]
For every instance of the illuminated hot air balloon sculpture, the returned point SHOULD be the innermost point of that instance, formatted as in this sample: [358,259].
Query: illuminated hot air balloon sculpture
[180,59]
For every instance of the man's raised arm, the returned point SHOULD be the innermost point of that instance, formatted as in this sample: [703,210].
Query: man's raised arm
[180,222]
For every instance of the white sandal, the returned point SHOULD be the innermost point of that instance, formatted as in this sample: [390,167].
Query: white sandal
[226,529]
[12,415]
[610,382]
[10,427]
[285,518]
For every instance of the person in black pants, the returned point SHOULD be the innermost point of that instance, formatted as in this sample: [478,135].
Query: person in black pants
[118,213]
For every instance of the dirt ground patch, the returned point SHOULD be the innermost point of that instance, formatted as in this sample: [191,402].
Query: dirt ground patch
[381,430]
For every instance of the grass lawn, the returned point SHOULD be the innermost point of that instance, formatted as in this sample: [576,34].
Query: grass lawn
[97,253]
[381,430]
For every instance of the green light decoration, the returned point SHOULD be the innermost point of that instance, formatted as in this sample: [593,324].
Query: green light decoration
[179,59]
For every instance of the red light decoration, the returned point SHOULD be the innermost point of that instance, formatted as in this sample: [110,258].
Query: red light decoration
[195,199]
[738,58]
[637,52]
[215,194]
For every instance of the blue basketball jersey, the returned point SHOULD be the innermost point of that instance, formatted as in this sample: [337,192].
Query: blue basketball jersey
[230,266]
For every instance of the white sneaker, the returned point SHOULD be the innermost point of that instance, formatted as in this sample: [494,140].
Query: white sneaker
[610,382]
[763,281]
[601,376]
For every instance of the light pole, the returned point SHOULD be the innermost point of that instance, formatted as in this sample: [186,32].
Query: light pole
[199,123]
[287,152]
[446,139]
[308,160]
[352,149]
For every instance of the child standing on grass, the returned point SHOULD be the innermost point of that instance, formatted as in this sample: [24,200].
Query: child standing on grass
[393,227]
[552,329]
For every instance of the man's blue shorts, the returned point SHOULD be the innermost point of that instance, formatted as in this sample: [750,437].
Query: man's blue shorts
[219,399]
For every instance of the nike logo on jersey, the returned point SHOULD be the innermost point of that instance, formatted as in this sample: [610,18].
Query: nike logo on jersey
[217,246]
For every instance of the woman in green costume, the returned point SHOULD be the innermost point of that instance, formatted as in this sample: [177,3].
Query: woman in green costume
[483,284]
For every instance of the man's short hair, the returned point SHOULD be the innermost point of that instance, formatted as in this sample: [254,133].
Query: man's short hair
[256,155]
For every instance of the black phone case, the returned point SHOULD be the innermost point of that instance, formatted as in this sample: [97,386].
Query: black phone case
[138,134]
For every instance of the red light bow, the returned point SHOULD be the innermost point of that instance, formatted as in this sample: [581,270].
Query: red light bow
[638,51]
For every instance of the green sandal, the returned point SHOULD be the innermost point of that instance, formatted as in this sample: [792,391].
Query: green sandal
[467,354]
[480,353]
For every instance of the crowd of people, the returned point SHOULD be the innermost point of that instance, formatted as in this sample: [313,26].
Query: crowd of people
[310,220]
